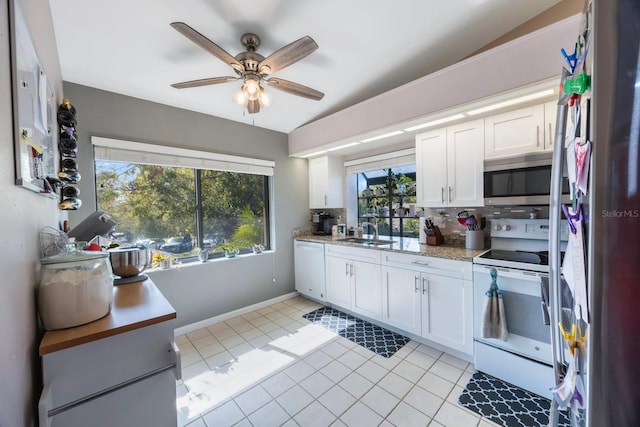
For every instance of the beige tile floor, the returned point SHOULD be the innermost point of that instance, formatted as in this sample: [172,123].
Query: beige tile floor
[271,367]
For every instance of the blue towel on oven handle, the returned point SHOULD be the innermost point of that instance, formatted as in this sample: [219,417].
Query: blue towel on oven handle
[494,319]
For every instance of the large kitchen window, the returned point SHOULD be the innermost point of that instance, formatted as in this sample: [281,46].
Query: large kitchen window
[183,201]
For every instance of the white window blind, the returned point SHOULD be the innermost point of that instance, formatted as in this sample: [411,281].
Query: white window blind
[382,161]
[116,150]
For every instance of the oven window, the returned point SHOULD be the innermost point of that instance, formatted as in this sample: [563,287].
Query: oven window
[524,316]
[520,182]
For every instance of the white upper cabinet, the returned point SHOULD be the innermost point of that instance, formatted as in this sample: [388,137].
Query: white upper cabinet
[526,130]
[449,166]
[431,168]
[550,112]
[325,182]
[514,132]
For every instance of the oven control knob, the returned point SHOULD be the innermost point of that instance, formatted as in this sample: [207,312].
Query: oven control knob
[506,227]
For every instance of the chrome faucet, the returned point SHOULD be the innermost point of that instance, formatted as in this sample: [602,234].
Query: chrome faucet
[375,228]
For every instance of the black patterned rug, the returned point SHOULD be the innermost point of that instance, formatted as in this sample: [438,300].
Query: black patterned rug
[370,336]
[506,404]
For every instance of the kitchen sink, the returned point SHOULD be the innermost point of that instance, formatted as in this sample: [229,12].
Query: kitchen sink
[366,242]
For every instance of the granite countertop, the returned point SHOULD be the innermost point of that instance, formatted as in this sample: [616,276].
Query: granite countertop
[406,245]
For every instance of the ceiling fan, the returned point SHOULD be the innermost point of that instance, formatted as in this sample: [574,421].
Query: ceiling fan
[253,68]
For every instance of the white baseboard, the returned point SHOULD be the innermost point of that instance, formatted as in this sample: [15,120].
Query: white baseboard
[239,312]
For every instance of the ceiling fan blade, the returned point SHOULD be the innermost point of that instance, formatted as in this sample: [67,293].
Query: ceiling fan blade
[204,82]
[208,45]
[287,55]
[294,88]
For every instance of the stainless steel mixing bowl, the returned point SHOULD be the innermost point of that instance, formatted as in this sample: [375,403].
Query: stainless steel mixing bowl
[129,262]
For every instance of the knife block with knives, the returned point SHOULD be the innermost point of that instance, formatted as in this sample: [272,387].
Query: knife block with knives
[434,236]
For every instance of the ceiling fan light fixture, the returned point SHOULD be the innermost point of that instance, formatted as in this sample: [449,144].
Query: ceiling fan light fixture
[265,98]
[251,86]
[240,98]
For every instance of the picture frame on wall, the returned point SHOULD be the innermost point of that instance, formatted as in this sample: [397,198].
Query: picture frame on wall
[33,109]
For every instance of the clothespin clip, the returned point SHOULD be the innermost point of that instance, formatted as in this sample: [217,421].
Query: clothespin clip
[572,59]
[572,218]
[569,338]
[579,84]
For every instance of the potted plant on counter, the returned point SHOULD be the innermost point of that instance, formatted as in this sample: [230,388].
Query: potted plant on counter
[162,260]
[229,249]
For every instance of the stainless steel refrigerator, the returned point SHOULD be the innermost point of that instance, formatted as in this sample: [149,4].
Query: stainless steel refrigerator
[611,355]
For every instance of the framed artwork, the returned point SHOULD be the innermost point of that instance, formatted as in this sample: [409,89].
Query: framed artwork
[33,109]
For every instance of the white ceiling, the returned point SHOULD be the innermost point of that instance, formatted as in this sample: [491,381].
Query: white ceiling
[366,47]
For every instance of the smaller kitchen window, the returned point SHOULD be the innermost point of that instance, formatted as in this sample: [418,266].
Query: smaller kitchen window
[384,193]
[387,198]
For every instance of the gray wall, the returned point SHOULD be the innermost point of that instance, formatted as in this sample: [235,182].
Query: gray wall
[201,291]
[22,215]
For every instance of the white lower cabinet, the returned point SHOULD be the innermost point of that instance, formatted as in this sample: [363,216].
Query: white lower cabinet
[354,279]
[338,281]
[430,297]
[447,311]
[125,380]
[401,299]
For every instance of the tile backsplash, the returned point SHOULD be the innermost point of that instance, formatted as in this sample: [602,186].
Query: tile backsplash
[449,217]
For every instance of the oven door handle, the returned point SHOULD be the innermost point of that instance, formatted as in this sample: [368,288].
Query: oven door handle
[532,276]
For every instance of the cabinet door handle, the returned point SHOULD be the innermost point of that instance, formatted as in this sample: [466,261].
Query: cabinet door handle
[550,136]
[425,285]
[417,283]
[449,194]
[346,266]
[442,192]
[537,136]
[326,200]
[351,269]
[177,370]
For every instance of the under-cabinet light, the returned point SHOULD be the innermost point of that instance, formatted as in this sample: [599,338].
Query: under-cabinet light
[351,144]
[386,135]
[510,102]
[435,122]
[314,154]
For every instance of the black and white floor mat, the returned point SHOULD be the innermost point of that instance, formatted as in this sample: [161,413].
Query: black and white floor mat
[506,404]
[373,337]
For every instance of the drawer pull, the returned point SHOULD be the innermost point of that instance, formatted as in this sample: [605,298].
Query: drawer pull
[420,263]
[177,360]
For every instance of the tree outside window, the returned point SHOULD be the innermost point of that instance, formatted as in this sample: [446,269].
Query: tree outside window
[183,210]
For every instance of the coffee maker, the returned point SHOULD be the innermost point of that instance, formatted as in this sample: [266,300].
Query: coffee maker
[322,224]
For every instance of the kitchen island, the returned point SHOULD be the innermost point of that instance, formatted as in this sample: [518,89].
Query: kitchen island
[118,370]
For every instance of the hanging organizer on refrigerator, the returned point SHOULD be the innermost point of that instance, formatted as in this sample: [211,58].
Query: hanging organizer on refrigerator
[571,151]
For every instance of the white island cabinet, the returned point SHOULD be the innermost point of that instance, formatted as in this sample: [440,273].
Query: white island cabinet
[120,370]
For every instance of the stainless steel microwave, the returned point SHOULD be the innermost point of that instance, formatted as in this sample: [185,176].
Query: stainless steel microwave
[520,180]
